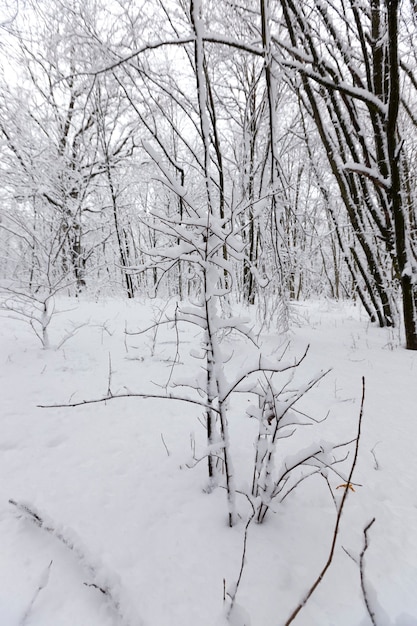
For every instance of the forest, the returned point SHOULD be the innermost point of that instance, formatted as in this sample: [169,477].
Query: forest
[289,127]
[208,262]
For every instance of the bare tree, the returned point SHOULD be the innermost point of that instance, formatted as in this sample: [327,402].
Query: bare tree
[347,59]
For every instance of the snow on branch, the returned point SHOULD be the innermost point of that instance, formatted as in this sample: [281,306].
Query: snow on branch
[180,41]
[357,93]
[372,174]
[102,579]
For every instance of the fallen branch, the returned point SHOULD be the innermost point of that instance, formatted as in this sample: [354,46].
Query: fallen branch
[107,583]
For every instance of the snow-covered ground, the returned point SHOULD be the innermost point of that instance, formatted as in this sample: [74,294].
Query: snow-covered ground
[111,479]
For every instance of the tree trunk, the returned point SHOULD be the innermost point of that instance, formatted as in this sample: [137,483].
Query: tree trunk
[405,267]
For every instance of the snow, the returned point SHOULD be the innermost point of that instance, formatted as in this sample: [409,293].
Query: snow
[356,92]
[112,477]
[371,173]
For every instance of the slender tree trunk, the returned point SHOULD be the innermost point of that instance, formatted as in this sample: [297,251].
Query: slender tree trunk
[408,286]
[214,362]
[122,244]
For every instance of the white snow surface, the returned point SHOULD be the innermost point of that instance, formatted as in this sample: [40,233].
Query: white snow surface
[113,478]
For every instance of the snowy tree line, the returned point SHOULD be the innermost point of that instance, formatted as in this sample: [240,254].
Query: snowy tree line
[145,144]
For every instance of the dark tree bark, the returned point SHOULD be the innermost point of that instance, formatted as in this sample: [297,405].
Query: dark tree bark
[347,98]
[408,286]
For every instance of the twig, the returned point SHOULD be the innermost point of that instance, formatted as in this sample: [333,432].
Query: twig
[177,350]
[69,334]
[43,581]
[330,488]
[166,447]
[103,591]
[245,541]
[362,572]
[298,482]
[109,391]
[349,555]
[376,464]
[232,595]
[338,519]
[128,394]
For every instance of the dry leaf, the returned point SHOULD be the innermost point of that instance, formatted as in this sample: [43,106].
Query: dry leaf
[346,485]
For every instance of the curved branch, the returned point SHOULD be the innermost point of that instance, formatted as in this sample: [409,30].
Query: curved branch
[129,394]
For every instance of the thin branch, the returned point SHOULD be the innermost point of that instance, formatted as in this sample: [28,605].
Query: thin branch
[362,572]
[208,37]
[165,445]
[232,596]
[338,519]
[43,581]
[128,394]
[262,368]
[376,464]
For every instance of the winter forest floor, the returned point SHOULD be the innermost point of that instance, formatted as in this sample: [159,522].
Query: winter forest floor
[112,480]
